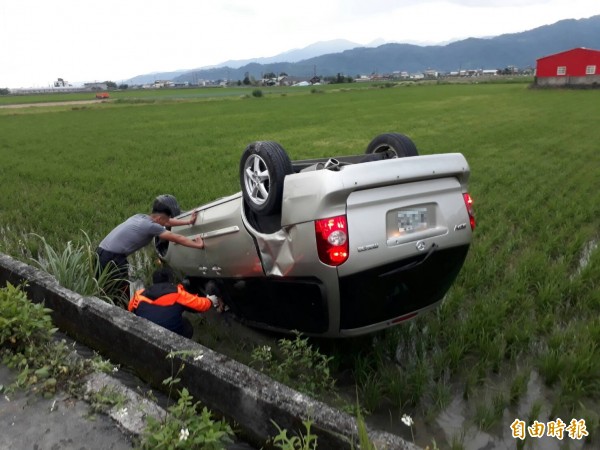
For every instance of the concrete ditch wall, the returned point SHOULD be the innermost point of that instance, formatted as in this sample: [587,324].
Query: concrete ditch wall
[233,390]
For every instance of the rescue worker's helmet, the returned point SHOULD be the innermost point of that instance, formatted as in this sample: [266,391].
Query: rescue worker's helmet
[166,204]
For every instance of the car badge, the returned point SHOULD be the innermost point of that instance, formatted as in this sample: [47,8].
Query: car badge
[421,245]
[364,248]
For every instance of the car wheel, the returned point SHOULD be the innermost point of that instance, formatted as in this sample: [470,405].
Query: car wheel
[392,145]
[263,167]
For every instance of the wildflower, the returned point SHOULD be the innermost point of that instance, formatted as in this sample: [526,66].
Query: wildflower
[408,421]
[122,413]
[198,357]
[184,434]
[115,369]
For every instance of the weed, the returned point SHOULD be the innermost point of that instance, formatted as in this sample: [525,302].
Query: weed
[369,381]
[534,411]
[23,323]
[458,441]
[518,386]
[76,267]
[441,396]
[551,365]
[484,416]
[103,365]
[186,424]
[433,446]
[398,389]
[364,441]
[302,441]
[299,365]
[308,441]
[142,265]
[106,398]
[489,412]
[27,344]
[17,244]
[371,391]
[592,421]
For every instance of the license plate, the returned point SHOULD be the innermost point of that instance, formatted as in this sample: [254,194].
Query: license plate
[412,220]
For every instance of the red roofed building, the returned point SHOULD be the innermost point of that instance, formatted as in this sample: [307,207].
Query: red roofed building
[575,67]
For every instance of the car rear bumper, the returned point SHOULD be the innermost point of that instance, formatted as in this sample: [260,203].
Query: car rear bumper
[368,301]
[381,297]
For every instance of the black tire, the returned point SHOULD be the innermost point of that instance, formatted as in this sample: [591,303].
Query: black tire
[263,167]
[392,145]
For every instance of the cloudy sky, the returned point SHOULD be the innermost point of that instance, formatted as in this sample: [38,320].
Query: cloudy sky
[83,40]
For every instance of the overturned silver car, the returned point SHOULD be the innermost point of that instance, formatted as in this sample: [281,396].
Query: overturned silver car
[333,247]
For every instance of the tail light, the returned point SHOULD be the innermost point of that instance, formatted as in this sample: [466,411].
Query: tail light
[469,205]
[332,240]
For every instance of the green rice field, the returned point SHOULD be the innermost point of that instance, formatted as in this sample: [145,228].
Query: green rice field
[518,336]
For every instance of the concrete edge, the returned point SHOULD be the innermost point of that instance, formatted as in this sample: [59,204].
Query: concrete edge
[230,389]
[131,416]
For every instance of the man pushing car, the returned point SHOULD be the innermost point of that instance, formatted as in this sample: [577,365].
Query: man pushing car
[137,232]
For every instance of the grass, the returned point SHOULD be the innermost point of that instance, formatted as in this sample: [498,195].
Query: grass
[133,96]
[77,268]
[295,363]
[528,298]
[28,345]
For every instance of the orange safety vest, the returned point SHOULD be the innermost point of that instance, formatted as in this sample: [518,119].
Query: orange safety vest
[182,297]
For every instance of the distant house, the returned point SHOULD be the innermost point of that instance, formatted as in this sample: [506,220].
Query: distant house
[61,83]
[294,81]
[162,84]
[575,67]
[95,86]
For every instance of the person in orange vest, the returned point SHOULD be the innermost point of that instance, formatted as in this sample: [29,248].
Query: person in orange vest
[164,303]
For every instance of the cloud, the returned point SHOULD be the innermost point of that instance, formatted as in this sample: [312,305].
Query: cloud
[499,3]
[115,40]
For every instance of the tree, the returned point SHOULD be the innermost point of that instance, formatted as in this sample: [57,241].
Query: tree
[246,80]
[4,91]
[111,84]
[339,78]
[123,86]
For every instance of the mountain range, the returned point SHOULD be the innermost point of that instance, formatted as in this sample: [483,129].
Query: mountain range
[350,59]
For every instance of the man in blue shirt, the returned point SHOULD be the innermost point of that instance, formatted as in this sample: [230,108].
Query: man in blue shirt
[137,232]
